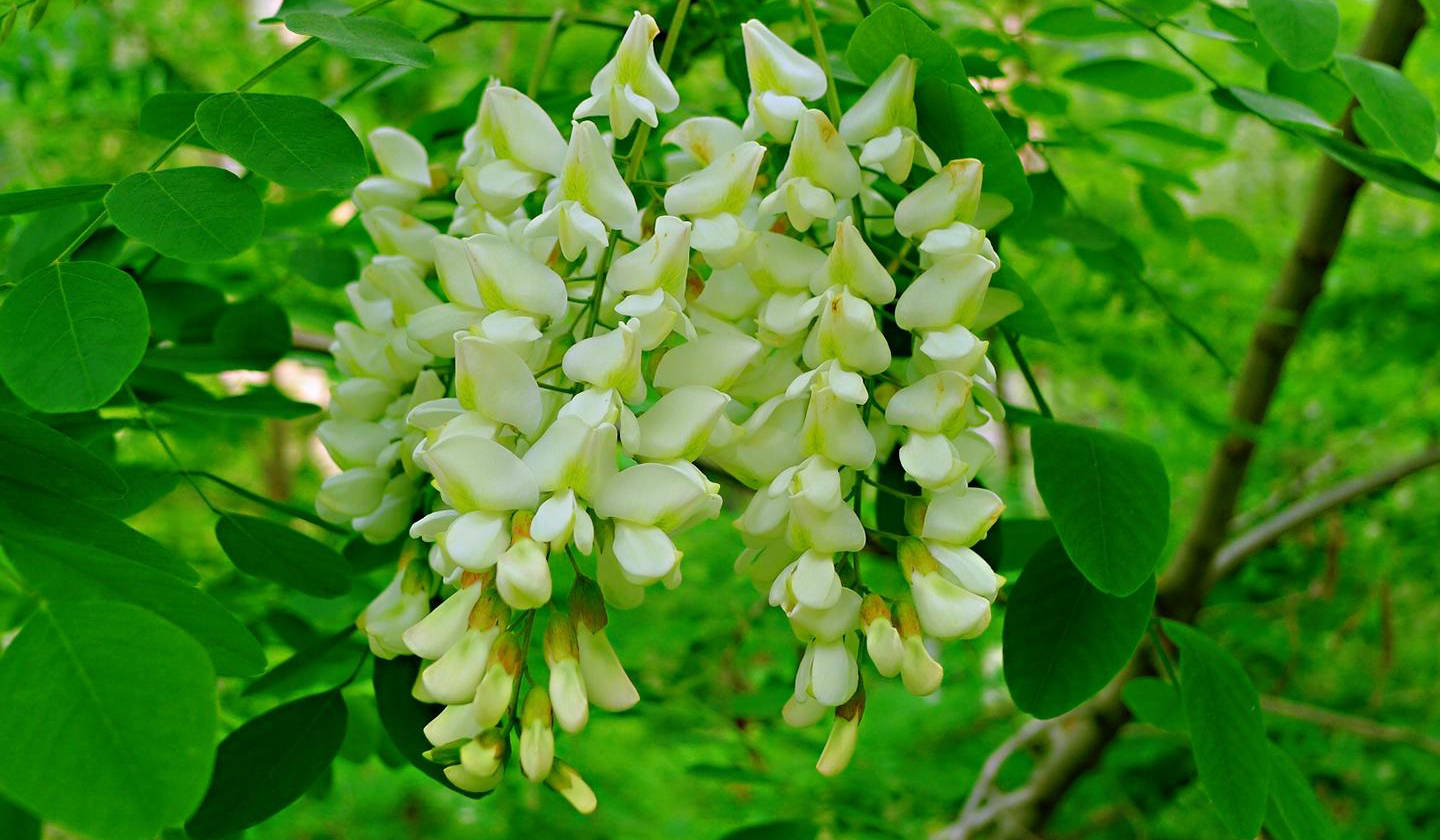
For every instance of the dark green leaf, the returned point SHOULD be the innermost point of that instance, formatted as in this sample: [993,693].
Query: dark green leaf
[1155,702]
[37,454]
[292,140]
[73,332]
[1294,812]
[59,574]
[1167,133]
[171,114]
[1080,22]
[29,201]
[31,514]
[1164,8]
[1225,238]
[363,37]
[108,721]
[195,213]
[144,486]
[1064,639]
[1163,209]
[1401,110]
[1137,79]
[16,823]
[956,123]
[774,830]
[1109,499]
[1021,539]
[1303,32]
[332,657]
[1317,89]
[363,555]
[42,240]
[404,717]
[1285,112]
[268,763]
[250,335]
[1392,174]
[270,550]
[1227,733]
[183,312]
[329,268]
[893,30]
[1033,319]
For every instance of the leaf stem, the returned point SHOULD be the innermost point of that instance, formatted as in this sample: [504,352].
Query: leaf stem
[542,55]
[165,445]
[282,507]
[1153,629]
[1014,344]
[832,98]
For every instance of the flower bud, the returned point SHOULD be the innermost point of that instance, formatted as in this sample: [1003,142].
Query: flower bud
[565,781]
[947,294]
[497,687]
[962,518]
[537,739]
[569,699]
[524,572]
[882,640]
[918,670]
[702,140]
[946,609]
[483,760]
[632,85]
[434,634]
[396,609]
[840,746]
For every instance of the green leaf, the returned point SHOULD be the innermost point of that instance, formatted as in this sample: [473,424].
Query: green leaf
[171,114]
[1064,639]
[32,514]
[1287,113]
[1155,702]
[268,763]
[43,238]
[957,123]
[250,335]
[1127,76]
[363,555]
[328,268]
[272,551]
[195,213]
[1109,499]
[1167,133]
[1033,319]
[774,830]
[1371,135]
[263,401]
[1317,89]
[1395,175]
[37,454]
[1224,238]
[363,37]
[29,201]
[291,140]
[73,332]
[1294,812]
[1303,32]
[1039,100]
[332,656]
[893,30]
[108,721]
[1227,733]
[16,823]
[183,312]
[59,574]
[1402,111]
[404,717]
[1163,209]
[1079,22]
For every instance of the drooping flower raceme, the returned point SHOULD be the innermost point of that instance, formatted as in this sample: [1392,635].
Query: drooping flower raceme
[543,396]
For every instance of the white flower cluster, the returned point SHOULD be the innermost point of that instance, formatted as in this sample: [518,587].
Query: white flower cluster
[584,354]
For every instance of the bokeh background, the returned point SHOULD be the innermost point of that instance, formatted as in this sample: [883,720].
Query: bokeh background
[1339,620]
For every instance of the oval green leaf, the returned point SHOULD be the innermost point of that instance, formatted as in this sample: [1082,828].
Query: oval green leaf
[1400,109]
[363,37]
[29,201]
[291,140]
[108,721]
[1109,498]
[268,763]
[73,332]
[195,213]
[1284,112]
[893,30]
[1155,702]
[329,268]
[1227,732]
[957,123]
[58,573]
[1064,639]
[272,551]
[1303,32]
[1129,77]
[16,823]
[1295,813]
[1080,22]
[1395,175]
[1225,238]
[404,717]
[37,454]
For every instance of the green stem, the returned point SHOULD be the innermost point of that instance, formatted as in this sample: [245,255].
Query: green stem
[542,56]
[1014,344]
[170,453]
[1159,643]
[642,135]
[832,98]
[282,507]
[505,17]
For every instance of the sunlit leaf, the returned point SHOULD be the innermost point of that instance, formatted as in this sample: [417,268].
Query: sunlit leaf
[893,30]
[363,37]
[292,140]
[1130,77]
[1303,32]
[195,213]
[1401,110]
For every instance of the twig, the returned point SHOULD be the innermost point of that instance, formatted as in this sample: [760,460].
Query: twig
[1364,727]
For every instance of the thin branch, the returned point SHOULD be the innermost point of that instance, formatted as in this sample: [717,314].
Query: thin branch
[1364,727]
[1243,546]
[1014,343]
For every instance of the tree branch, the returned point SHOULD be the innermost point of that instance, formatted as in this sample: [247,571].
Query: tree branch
[1364,727]
[1187,581]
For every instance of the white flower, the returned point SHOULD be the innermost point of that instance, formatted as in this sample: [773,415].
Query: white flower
[569,698]
[437,632]
[396,232]
[396,609]
[946,607]
[609,361]
[590,197]
[882,639]
[715,196]
[701,141]
[646,502]
[523,573]
[781,79]
[404,171]
[947,294]
[537,738]
[631,86]
[473,473]
[819,172]
[882,123]
[918,669]
[512,148]
[951,195]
